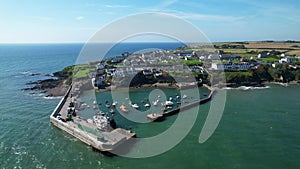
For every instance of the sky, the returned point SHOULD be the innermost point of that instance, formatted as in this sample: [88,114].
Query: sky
[56,21]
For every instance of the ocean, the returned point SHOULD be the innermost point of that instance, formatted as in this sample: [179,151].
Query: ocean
[259,127]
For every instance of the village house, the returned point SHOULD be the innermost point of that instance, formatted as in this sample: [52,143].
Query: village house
[288,60]
[231,66]
[229,57]
[262,55]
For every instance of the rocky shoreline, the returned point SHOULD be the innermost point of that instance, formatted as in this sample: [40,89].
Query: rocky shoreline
[56,86]
[52,87]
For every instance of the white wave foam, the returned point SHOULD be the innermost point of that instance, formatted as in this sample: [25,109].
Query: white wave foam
[29,73]
[281,84]
[37,94]
[246,88]
[52,98]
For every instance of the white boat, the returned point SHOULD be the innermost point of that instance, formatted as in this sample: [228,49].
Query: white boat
[114,104]
[155,103]
[169,103]
[135,106]
[94,102]
[147,105]
[100,121]
[107,105]
[184,96]
[170,98]
[112,111]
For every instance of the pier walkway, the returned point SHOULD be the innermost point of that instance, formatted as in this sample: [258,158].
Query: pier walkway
[101,140]
[159,116]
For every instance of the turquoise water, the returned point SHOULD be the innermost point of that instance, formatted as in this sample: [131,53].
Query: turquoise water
[259,128]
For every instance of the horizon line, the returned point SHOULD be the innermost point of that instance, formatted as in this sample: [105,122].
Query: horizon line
[232,41]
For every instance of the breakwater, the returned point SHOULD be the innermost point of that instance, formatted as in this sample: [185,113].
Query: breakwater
[159,116]
[108,141]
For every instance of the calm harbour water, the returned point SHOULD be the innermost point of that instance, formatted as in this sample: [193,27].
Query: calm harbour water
[259,128]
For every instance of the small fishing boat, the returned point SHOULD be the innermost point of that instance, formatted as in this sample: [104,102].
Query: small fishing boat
[169,103]
[123,108]
[114,103]
[100,121]
[112,111]
[147,105]
[170,98]
[135,106]
[155,103]
[94,102]
[184,96]
[107,104]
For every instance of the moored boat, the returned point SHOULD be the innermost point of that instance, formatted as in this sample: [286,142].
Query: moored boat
[123,108]
[114,103]
[135,106]
[169,103]
[107,105]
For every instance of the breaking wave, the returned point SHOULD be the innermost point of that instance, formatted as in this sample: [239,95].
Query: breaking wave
[246,88]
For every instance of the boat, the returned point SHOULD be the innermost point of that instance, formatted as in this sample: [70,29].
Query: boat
[107,105]
[170,98]
[184,96]
[147,105]
[100,121]
[155,117]
[135,106]
[123,108]
[169,103]
[112,111]
[155,103]
[114,103]
[94,102]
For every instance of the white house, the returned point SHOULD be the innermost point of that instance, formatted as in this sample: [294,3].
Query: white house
[240,66]
[262,55]
[287,60]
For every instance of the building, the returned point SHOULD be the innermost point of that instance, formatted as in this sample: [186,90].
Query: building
[262,55]
[287,60]
[147,72]
[229,57]
[230,66]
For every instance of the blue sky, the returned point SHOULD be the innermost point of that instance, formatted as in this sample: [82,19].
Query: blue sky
[59,21]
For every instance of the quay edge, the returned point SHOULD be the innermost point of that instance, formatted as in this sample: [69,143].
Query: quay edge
[110,141]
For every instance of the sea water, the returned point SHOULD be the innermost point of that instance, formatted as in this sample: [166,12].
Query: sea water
[258,129]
